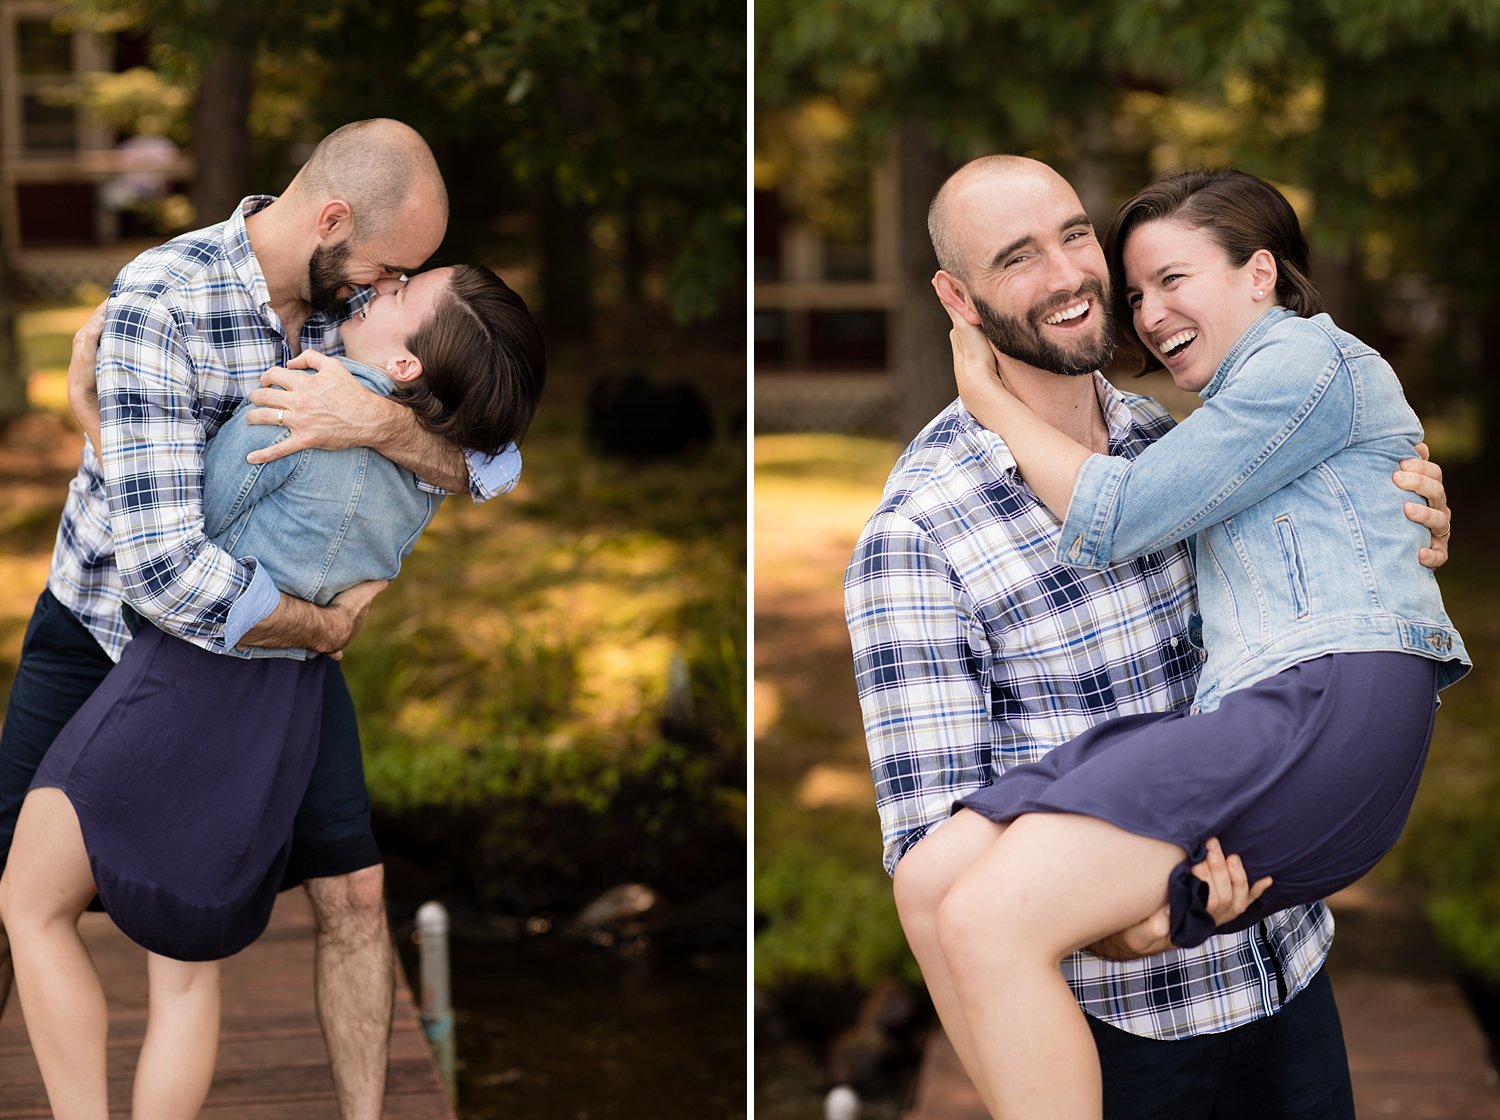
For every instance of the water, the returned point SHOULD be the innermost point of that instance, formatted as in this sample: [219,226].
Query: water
[550,1027]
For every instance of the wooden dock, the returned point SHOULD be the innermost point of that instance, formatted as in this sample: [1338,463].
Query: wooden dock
[1415,1049]
[272,1062]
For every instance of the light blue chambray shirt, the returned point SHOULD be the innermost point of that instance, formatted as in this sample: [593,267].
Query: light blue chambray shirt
[316,522]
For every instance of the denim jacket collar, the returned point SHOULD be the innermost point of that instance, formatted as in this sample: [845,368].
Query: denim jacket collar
[1269,318]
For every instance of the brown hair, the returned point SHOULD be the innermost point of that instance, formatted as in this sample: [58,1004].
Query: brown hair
[483,364]
[1240,212]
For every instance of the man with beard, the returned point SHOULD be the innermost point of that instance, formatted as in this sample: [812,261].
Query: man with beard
[188,331]
[976,651]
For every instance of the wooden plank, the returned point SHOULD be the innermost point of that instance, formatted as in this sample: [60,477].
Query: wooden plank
[1416,1051]
[272,1060]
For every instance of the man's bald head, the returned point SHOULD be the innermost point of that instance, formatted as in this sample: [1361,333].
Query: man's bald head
[949,223]
[382,168]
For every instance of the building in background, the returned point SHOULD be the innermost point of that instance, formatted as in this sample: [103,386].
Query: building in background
[76,195]
[827,302]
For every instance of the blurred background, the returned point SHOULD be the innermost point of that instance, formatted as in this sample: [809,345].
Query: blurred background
[552,696]
[1379,121]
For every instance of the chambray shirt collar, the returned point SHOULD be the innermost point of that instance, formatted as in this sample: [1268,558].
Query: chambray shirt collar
[1256,331]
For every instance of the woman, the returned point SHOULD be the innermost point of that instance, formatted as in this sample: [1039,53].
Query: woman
[1326,643]
[172,792]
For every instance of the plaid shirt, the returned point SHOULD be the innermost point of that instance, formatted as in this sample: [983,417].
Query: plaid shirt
[975,651]
[188,332]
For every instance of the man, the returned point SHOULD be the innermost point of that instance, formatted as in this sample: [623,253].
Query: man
[189,328]
[976,651]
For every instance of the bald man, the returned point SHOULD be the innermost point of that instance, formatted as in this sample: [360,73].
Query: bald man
[189,329]
[976,651]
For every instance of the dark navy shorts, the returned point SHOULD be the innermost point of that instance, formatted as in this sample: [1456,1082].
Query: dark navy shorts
[62,665]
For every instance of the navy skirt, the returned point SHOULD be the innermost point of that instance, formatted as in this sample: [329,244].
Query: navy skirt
[186,769]
[1307,775]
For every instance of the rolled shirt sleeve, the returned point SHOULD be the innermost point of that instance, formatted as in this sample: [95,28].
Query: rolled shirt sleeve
[153,442]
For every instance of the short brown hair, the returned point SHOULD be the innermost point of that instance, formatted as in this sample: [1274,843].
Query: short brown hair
[1241,212]
[483,364]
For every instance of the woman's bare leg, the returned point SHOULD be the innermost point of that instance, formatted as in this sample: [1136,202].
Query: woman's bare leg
[924,876]
[1051,884]
[47,885]
[176,1066]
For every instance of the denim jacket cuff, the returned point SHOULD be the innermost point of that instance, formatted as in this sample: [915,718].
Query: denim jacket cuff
[1087,534]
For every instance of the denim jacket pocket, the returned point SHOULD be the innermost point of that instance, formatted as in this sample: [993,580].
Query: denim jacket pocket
[1296,573]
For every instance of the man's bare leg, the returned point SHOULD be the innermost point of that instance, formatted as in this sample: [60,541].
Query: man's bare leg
[355,986]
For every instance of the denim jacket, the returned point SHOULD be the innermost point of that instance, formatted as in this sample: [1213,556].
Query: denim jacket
[317,521]
[1284,475]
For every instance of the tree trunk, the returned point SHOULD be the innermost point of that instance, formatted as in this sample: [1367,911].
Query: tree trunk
[923,368]
[221,135]
[567,266]
[13,401]
[1489,388]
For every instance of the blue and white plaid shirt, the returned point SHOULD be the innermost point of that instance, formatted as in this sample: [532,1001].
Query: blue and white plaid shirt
[975,651]
[188,332]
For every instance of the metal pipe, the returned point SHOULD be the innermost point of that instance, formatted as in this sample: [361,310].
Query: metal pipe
[437,1006]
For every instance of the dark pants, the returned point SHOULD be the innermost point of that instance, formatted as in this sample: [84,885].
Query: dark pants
[62,665]
[1290,1066]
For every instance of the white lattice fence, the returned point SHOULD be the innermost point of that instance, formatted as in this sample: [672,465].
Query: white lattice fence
[857,403]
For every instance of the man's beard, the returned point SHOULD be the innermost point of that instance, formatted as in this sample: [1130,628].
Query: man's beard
[325,276]
[1021,337]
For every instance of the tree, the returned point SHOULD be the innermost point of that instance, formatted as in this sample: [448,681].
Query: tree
[1378,114]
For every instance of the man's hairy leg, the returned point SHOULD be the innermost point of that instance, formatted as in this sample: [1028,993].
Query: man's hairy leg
[355,986]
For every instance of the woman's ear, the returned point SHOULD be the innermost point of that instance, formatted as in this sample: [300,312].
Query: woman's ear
[950,291]
[1263,273]
[407,368]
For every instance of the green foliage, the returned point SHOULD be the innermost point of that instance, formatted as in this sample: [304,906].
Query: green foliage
[634,110]
[821,918]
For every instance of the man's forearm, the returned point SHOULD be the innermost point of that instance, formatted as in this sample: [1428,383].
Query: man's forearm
[298,624]
[431,458]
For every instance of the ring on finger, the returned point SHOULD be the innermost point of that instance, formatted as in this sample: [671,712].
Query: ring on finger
[281,417]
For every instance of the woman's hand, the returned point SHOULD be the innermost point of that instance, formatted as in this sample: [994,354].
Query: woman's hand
[979,383]
[1230,894]
[83,387]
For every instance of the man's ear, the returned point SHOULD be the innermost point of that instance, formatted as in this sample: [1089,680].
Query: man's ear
[405,369]
[335,220]
[950,290]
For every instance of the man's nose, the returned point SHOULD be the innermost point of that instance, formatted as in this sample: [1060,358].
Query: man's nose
[388,285]
[1063,275]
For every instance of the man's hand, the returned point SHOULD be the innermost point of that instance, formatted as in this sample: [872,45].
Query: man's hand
[1424,478]
[1230,894]
[298,624]
[330,411]
[83,386]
